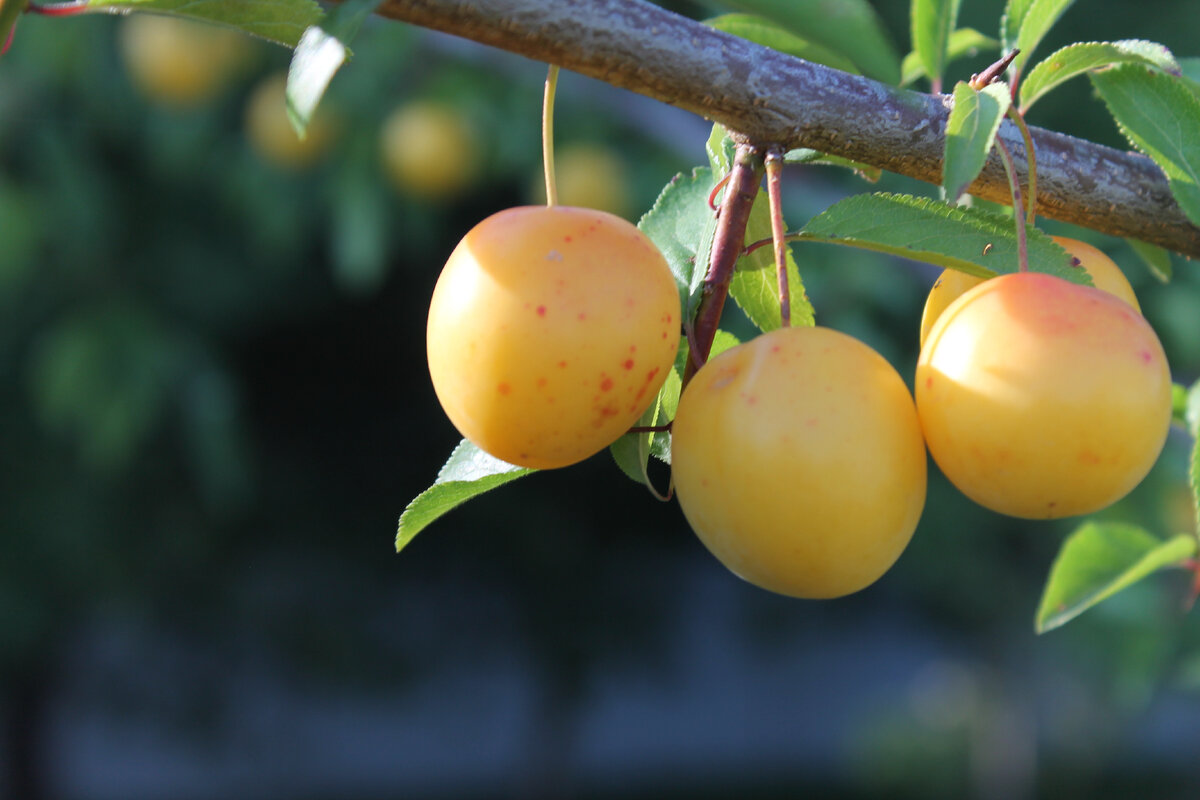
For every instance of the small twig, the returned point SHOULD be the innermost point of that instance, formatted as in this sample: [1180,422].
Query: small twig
[716,190]
[58,9]
[774,168]
[1030,161]
[1015,186]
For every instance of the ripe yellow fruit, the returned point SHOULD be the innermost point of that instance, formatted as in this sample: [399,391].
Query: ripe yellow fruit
[551,329]
[178,61]
[590,176]
[1105,274]
[429,150]
[271,133]
[1040,398]
[797,459]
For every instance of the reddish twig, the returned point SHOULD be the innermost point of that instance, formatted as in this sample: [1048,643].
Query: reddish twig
[774,168]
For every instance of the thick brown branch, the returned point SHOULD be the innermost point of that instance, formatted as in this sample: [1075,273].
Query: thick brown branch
[770,98]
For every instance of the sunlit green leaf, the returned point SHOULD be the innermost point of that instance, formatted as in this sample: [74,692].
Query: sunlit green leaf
[1036,18]
[970,240]
[1160,116]
[468,473]
[319,55]
[1097,561]
[681,224]
[754,286]
[971,133]
[1077,59]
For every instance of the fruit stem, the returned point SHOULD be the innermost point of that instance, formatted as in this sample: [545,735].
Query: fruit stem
[1030,161]
[728,244]
[548,135]
[1018,206]
[774,168]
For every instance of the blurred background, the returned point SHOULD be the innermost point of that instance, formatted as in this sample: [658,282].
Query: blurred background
[214,407]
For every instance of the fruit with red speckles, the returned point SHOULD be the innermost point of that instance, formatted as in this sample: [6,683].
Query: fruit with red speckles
[798,461]
[550,331]
[1105,274]
[1040,398]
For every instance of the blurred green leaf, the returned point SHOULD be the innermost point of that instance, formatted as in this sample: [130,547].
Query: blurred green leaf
[319,54]
[849,27]
[1191,415]
[1078,59]
[359,220]
[1097,561]
[971,133]
[963,42]
[1156,259]
[468,473]
[1159,116]
[932,22]
[1031,21]
[279,21]
[769,34]
[970,240]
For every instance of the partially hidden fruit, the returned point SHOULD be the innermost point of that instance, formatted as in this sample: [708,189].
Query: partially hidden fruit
[797,459]
[429,150]
[271,133]
[1106,275]
[551,329]
[178,61]
[1041,398]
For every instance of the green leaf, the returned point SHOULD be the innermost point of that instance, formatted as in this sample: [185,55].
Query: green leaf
[1036,18]
[319,55]
[754,286]
[932,23]
[1160,116]
[280,21]
[803,155]
[1097,561]
[849,27]
[1010,22]
[1179,401]
[681,224]
[1077,59]
[468,473]
[970,134]
[971,240]
[963,42]
[1156,259]
[769,34]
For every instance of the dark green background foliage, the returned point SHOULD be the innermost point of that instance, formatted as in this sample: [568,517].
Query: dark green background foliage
[214,405]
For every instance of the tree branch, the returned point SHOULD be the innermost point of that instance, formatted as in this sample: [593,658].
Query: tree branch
[766,97]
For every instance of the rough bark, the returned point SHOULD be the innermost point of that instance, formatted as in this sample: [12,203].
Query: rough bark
[770,98]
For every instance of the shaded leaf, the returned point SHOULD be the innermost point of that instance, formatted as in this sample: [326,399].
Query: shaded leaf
[1160,116]
[970,240]
[1097,561]
[803,155]
[1077,59]
[849,27]
[280,21]
[769,34]
[971,133]
[1156,259]
[963,42]
[468,473]
[932,21]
